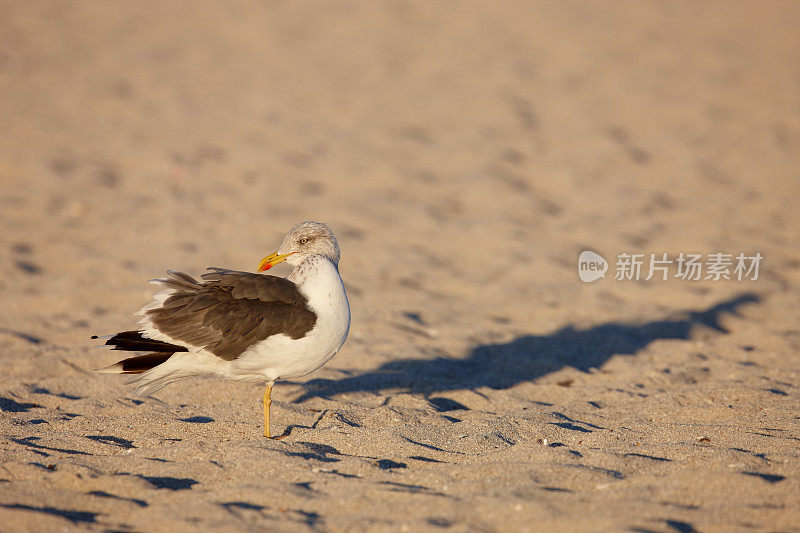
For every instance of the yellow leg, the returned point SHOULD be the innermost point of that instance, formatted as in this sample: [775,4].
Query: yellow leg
[267,403]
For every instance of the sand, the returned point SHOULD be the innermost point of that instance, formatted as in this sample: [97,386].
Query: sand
[465,153]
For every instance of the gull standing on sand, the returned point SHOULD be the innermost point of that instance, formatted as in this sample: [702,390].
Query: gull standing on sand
[240,325]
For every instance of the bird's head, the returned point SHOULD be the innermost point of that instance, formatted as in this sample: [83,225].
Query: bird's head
[303,241]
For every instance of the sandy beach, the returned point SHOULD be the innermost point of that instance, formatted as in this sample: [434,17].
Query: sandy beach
[465,154]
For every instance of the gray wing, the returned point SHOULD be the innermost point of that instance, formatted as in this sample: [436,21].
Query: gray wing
[230,310]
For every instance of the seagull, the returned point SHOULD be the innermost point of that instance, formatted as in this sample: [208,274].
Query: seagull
[243,326]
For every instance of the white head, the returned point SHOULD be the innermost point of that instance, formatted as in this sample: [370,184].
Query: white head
[303,241]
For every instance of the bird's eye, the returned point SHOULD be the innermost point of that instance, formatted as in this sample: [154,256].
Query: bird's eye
[304,240]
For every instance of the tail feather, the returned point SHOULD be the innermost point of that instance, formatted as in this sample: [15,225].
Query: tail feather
[179,366]
[151,372]
[149,388]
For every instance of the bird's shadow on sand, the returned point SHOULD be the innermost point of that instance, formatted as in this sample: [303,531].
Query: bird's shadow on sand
[500,366]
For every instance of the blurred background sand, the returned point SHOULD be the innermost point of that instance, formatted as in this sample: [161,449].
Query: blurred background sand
[464,154]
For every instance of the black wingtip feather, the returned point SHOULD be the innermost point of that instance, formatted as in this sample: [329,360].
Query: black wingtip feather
[133,341]
[143,363]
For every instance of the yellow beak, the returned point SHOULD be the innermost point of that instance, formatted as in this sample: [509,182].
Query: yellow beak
[271,260]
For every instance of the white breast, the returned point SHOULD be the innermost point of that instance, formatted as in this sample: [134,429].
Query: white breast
[280,356]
